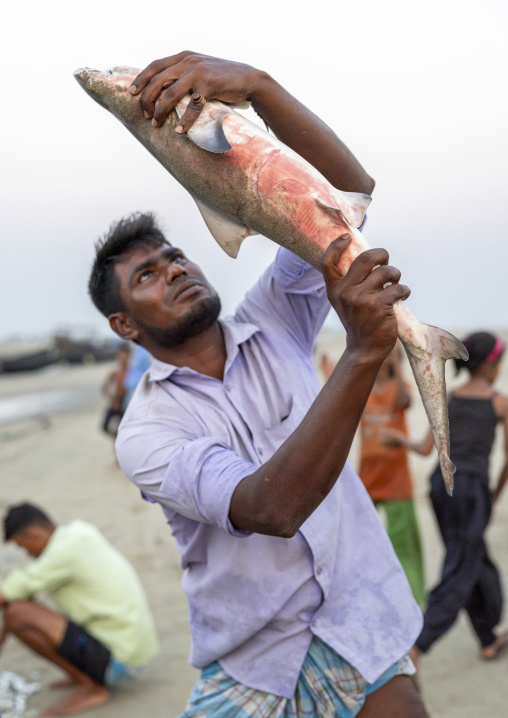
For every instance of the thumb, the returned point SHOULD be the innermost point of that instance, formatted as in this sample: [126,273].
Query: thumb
[331,258]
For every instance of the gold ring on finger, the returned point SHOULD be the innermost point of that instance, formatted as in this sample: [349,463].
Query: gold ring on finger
[198,97]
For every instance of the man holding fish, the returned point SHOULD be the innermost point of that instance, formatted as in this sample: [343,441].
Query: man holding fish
[298,605]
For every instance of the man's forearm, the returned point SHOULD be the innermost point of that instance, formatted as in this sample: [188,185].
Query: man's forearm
[278,497]
[164,82]
[305,133]
[285,491]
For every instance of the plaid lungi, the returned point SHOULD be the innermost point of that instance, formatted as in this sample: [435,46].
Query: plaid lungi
[328,687]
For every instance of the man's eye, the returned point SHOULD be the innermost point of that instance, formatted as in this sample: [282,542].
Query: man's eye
[178,259]
[145,275]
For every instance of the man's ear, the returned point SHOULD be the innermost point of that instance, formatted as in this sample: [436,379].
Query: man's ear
[122,325]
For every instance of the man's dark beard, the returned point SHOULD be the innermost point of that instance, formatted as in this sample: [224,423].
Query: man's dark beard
[201,317]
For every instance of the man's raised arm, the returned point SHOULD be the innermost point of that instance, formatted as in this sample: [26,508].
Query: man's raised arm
[164,82]
[279,496]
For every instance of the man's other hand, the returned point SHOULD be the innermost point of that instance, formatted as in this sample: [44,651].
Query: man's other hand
[364,298]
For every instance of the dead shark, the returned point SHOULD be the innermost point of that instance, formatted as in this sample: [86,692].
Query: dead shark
[245,182]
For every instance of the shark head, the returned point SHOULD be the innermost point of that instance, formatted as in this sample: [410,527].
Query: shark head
[110,88]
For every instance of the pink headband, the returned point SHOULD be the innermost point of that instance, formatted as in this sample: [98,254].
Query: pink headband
[498,348]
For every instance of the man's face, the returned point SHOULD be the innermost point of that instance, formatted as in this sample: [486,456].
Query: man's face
[166,296]
[33,539]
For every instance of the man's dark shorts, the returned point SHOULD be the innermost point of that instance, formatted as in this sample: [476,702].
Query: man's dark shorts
[85,652]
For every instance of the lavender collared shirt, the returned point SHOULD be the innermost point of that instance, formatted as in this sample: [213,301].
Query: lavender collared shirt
[187,440]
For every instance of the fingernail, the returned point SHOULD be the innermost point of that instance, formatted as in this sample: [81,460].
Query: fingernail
[155,123]
[133,89]
[179,129]
[146,114]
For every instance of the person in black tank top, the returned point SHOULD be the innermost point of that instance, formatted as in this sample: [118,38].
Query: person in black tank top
[469,579]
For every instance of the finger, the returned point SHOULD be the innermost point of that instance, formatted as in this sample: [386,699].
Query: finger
[145,76]
[331,257]
[191,114]
[154,93]
[363,265]
[187,83]
[395,292]
[156,90]
[381,275]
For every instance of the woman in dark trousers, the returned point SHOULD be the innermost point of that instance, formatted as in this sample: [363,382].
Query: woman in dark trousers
[469,579]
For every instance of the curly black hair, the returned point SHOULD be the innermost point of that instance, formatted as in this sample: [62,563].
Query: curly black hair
[128,233]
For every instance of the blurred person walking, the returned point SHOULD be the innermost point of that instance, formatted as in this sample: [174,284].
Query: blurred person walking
[115,392]
[139,364]
[469,579]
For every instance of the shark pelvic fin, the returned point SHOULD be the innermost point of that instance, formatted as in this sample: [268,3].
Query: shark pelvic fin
[207,131]
[228,232]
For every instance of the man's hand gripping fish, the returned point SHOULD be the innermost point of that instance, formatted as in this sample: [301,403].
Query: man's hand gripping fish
[247,182]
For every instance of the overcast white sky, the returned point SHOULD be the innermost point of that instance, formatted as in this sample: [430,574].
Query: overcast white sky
[419,94]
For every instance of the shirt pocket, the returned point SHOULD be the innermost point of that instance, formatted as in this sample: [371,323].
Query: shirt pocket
[290,419]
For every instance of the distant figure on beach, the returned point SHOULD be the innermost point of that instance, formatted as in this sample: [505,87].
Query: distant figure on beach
[103,633]
[114,390]
[297,603]
[139,364]
[469,578]
[385,470]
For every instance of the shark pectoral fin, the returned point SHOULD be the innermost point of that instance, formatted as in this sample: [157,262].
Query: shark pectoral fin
[358,204]
[335,214]
[209,135]
[207,131]
[228,232]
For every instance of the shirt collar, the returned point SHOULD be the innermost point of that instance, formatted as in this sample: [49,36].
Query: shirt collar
[235,333]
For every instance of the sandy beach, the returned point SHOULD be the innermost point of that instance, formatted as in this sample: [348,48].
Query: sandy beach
[54,454]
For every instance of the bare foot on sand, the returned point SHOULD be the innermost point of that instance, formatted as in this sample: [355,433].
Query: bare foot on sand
[500,645]
[62,683]
[82,698]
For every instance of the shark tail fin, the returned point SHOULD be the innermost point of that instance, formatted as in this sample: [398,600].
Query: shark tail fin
[427,349]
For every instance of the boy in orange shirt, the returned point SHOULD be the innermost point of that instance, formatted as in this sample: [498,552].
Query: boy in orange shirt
[385,470]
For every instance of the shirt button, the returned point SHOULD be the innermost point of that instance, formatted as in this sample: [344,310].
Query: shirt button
[319,570]
[260,451]
[227,388]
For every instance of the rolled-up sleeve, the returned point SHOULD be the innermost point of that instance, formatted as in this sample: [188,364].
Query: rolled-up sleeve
[47,573]
[195,477]
[291,296]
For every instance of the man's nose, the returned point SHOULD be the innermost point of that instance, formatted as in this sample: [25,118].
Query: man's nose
[174,271]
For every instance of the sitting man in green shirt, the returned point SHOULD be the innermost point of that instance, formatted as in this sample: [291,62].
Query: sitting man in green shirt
[105,631]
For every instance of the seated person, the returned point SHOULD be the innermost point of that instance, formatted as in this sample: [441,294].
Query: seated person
[104,631]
